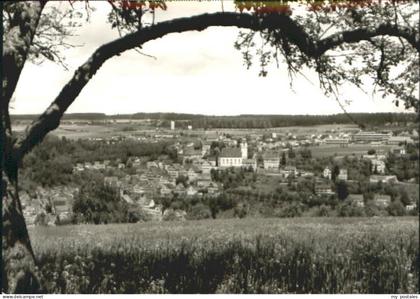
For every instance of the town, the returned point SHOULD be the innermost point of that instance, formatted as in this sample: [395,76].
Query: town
[333,171]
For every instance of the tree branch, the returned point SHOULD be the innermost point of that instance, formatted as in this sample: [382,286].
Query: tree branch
[357,35]
[50,119]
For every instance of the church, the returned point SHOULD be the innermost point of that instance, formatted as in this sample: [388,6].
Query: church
[233,157]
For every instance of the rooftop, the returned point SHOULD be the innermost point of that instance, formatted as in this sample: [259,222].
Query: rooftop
[232,152]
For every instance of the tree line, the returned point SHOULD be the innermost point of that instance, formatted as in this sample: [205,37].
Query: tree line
[245,121]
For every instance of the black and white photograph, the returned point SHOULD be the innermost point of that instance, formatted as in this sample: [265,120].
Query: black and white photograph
[210,147]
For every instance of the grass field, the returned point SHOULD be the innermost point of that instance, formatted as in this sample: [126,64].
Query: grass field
[357,149]
[300,255]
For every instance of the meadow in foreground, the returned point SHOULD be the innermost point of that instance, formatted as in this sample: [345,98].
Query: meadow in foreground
[301,255]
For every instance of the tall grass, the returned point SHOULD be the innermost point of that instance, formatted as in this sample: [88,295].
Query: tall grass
[232,256]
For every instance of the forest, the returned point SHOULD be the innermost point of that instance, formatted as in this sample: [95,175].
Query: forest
[246,121]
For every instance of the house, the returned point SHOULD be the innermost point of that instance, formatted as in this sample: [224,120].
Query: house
[79,167]
[249,163]
[151,204]
[136,163]
[307,174]
[343,175]
[383,179]
[191,191]
[212,161]
[172,172]
[378,166]
[327,173]
[357,200]
[151,164]
[271,160]
[410,207]
[288,171]
[323,188]
[382,200]
[138,189]
[398,151]
[202,183]
[230,157]
[88,165]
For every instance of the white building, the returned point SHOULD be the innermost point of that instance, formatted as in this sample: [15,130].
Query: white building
[327,173]
[244,150]
[378,166]
[271,160]
[230,157]
[172,125]
[343,175]
[371,136]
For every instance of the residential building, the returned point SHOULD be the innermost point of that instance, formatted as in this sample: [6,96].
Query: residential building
[323,188]
[378,167]
[343,175]
[357,200]
[410,207]
[383,178]
[382,200]
[327,173]
[191,191]
[288,171]
[398,151]
[247,163]
[271,160]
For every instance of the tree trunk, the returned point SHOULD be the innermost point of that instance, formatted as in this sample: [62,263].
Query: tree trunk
[19,274]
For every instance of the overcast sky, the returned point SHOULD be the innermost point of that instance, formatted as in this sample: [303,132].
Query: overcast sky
[194,72]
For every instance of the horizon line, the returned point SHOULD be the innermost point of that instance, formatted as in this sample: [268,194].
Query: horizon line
[218,115]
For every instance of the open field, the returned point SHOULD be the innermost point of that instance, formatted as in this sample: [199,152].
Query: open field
[302,255]
[75,131]
[357,149]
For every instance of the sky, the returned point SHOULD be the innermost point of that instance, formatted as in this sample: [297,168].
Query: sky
[193,72]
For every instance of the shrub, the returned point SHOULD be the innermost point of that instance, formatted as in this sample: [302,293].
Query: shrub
[199,211]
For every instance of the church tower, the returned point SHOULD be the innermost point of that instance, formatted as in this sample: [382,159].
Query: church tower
[244,150]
